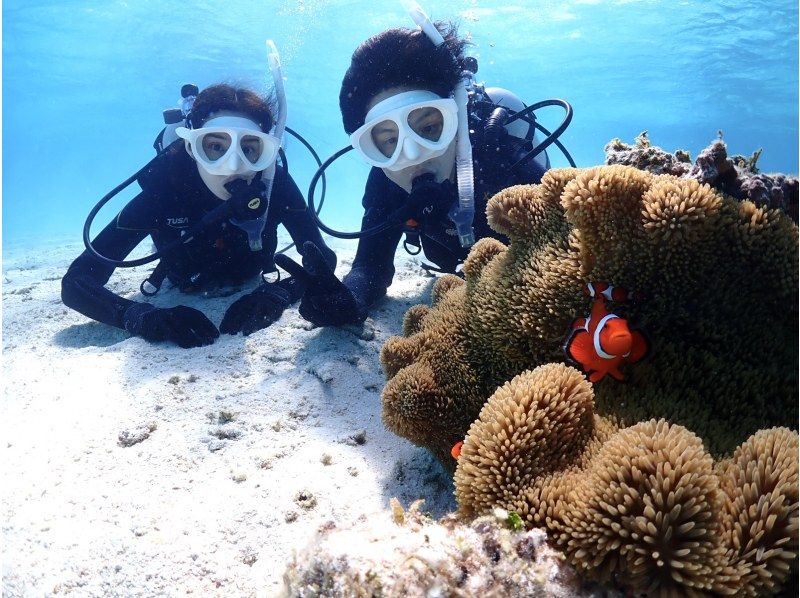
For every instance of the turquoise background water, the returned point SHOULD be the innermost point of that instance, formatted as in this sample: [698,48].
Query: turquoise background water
[84,83]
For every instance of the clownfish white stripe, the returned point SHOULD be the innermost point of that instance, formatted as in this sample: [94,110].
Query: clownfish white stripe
[608,291]
[596,338]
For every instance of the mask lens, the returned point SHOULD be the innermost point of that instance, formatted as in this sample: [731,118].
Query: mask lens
[427,122]
[384,136]
[252,148]
[215,145]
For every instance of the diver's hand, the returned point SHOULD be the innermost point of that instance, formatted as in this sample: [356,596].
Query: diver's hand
[430,201]
[255,310]
[185,326]
[326,301]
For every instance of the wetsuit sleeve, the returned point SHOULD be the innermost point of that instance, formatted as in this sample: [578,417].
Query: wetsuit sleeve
[373,266]
[301,227]
[82,287]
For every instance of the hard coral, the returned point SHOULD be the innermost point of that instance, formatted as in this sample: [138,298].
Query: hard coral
[718,280]
[736,176]
[645,156]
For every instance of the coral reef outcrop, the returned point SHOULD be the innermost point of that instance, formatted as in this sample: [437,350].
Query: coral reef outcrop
[646,482]
[737,176]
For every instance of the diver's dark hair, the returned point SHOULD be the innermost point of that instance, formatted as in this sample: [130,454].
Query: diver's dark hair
[223,96]
[400,57]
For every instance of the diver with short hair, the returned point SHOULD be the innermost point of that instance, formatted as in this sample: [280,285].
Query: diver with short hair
[400,105]
[211,202]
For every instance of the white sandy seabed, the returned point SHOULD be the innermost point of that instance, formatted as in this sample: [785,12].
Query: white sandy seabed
[134,469]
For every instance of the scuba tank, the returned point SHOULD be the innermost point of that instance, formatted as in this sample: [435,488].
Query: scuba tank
[176,117]
[505,103]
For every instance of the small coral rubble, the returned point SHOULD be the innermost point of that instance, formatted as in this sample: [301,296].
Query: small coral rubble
[409,555]
[646,156]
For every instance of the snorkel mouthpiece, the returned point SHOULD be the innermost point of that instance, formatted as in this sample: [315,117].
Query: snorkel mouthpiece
[464,212]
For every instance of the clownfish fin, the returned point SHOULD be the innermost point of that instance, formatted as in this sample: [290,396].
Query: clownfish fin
[456,450]
[579,348]
[578,323]
[619,294]
[616,374]
[640,346]
[596,375]
[596,289]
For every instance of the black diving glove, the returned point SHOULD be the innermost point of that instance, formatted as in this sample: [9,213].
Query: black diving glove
[255,310]
[326,301]
[428,201]
[185,326]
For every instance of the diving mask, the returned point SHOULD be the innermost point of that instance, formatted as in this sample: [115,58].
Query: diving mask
[406,129]
[228,145]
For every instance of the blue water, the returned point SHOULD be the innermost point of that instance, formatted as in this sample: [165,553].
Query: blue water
[84,83]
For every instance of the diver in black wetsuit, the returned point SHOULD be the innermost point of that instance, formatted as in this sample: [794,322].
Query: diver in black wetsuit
[397,106]
[226,155]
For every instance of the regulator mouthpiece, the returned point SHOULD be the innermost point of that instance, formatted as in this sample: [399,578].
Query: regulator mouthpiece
[248,211]
[426,177]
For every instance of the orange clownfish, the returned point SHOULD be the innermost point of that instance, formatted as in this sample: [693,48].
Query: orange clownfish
[603,341]
[456,450]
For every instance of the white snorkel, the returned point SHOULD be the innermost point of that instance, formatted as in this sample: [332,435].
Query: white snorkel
[255,227]
[463,214]
[277,79]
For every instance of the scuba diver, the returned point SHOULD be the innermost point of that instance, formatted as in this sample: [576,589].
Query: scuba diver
[211,202]
[439,150]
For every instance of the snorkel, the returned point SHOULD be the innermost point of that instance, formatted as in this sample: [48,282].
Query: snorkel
[255,227]
[462,213]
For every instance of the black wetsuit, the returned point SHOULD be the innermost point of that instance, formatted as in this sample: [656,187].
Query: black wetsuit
[373,266]
[173,199]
